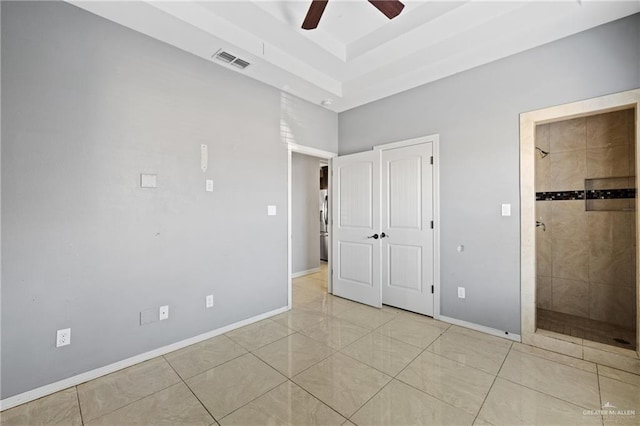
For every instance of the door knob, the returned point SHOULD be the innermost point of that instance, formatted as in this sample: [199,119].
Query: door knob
[374,236]
[383,235]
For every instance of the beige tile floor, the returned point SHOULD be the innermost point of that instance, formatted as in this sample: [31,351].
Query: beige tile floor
[330,361]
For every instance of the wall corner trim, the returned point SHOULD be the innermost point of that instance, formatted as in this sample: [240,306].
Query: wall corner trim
[51,388]
[481,328]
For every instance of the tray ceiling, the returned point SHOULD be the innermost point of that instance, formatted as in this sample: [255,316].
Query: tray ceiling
[356,55]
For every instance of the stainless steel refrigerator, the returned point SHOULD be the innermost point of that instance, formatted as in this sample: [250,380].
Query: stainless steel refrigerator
[324,224]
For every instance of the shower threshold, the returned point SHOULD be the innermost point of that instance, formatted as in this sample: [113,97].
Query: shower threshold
[585,328]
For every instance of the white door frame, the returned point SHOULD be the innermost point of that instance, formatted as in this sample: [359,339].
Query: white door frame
[528,122]
[312,152]
[435,140]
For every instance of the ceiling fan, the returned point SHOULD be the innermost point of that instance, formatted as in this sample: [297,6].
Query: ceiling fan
[390,9]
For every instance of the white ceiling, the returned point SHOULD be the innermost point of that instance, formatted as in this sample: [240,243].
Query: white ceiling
[356,55]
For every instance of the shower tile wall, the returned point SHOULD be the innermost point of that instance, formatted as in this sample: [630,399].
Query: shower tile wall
[586,259]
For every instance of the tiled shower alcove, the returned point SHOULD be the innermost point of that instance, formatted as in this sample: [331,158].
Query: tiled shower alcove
[586,238]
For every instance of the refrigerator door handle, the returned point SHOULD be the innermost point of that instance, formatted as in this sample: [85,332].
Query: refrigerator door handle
[325,211]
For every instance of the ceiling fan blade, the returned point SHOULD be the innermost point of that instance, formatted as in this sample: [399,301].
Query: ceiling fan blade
[390,8]
[314,14]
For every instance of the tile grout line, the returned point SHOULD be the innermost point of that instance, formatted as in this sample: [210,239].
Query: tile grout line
[79,405]
[335,351]
[449,359]
[363,336]
[392,379]
[617,380]
[135,400]
[370,332]
[463,364]
[377,369]
[319,400]
[599,393]
[372,396]
[232,359]
[266,344]
[324,343]
[318,397]
[559,362]
[495,377]
[544,393]
[370,366]
[215,366]
[407,384]
[312,365]
[262,394]
[191,390]
[257,397]
[401,370]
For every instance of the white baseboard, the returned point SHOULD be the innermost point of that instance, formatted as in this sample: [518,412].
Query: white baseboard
[303,273]
[108,369]
[482,328]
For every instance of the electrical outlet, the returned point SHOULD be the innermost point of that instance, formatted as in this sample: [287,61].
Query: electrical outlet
[164,312]
[461,294]
[209,301]
[63,337]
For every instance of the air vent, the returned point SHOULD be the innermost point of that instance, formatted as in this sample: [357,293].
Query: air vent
[225,56]
[240,63]
[228,58]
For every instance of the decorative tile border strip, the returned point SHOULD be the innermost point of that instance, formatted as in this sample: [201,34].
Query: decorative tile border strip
[559,195]
[592,194]
[610,194]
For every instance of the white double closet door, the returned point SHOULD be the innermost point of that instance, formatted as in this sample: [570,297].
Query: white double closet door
[383,238]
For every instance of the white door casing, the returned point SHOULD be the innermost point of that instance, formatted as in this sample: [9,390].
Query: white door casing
[356,219]
[407,254]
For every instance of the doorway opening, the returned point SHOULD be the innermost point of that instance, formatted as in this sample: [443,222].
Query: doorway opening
[308,249]
[579,227]
[324,213]
[310,227]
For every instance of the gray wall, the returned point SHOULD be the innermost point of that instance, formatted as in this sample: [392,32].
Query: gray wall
[87,106]
[305,208]
[476,114]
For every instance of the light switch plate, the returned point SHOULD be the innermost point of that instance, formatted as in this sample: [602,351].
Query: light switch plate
[148,181]
[209,301]
[209,185]
[461,293]
[506,210]
[271,210]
